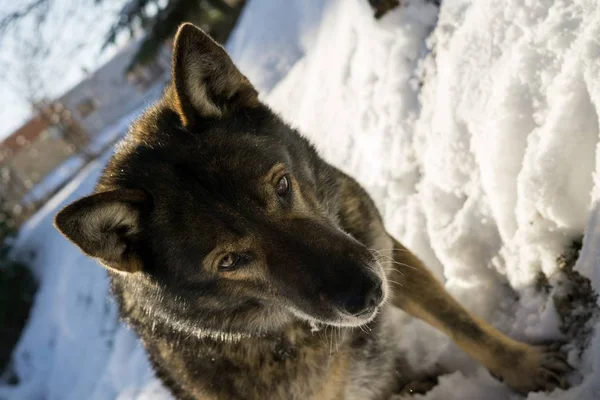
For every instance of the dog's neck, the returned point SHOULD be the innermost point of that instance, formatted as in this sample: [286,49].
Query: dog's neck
[211,334]
[283,327]
[294,329]
[293,332]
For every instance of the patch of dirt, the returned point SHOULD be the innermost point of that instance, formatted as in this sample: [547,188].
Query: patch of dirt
[574,299]
[17,289]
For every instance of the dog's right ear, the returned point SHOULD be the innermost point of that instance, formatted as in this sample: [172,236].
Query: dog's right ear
[205,82]
[106,226]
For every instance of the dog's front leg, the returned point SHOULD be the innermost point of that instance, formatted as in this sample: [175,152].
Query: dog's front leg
[524,367]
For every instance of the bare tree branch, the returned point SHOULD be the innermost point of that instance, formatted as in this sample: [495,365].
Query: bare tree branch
[12,18]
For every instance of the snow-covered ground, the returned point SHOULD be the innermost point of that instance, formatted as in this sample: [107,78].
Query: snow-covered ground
[478,140]
[55,179]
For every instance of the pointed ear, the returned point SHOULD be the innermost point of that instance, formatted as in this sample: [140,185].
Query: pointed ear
[106,226]
[206,84]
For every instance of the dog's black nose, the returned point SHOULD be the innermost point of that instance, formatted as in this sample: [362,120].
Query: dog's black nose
[364,300]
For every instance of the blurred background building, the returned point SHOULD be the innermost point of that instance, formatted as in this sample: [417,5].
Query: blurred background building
[66,133]
[67,130]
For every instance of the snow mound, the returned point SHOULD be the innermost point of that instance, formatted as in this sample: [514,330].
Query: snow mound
[476,131]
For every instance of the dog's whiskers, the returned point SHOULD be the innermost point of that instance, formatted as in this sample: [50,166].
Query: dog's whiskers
[392,249]
[395,282]
[399,263]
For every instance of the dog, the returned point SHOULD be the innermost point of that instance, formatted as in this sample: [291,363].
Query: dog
[232,247]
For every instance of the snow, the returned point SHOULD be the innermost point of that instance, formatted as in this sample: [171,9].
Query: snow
[55,179]
[112,133]
[272,36]
[476,131]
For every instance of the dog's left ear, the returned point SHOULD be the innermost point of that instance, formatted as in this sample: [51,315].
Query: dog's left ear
[106,226]
[206,83]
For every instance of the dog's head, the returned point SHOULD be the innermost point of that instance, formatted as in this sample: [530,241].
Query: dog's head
[215,214]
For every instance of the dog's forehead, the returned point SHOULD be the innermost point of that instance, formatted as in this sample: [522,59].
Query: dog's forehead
[206,170]
[226,159]
[248,144]
[243,155]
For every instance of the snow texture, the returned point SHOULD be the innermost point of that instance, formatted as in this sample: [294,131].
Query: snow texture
[476,131]
[55,179]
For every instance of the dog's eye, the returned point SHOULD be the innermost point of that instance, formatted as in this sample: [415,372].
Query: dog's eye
[229,261]
[283,186]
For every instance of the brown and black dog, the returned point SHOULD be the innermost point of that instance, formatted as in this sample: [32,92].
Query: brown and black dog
[232,247]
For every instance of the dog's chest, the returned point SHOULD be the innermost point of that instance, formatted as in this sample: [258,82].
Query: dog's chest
[278,371]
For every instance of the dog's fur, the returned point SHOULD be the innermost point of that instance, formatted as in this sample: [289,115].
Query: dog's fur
[309,311]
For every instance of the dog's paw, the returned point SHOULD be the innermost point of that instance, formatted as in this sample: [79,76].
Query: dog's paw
[540,369]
